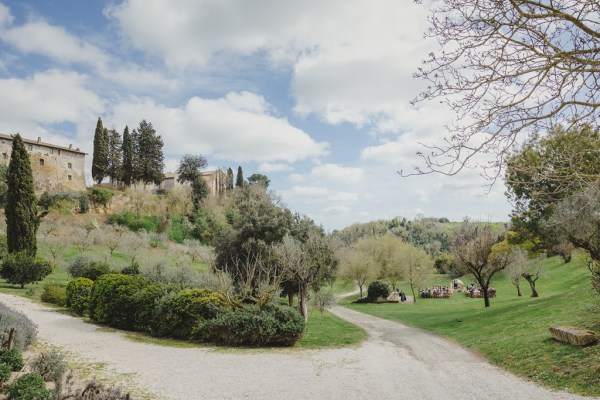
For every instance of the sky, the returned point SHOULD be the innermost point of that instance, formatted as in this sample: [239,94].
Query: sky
[314,94]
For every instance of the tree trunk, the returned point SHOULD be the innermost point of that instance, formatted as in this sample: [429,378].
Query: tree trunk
[486,297]
[412,289]
[534,292]
[518,286]
[360,288]
[303,301]
[291,298]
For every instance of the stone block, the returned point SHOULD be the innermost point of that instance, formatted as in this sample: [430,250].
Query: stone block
[574,336]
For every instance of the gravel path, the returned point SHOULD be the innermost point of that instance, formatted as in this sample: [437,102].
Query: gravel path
[395,362]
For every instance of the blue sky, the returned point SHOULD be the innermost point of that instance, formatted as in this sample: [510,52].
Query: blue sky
[313,94]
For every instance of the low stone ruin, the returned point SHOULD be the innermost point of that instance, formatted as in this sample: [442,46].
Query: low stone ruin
[574,336]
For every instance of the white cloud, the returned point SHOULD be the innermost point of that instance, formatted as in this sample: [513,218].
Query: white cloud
[5,16]
[49,97]
[55,42]
[235,127]
[319,195]
[337,173]
[267,167]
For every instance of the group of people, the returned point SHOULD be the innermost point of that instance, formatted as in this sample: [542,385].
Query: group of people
[474,291]
[436,292]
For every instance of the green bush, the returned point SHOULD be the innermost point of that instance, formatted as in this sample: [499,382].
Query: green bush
[84,267]
[54,199]
[21,269]
[3,247]
[26,331]
[131,221]
[28,387]
[274,326]
[78,295]
[84,204]
[5,373]
[13,358]
[378,289]
[54,294]
[112,300]
[147,302]
[100,197]
[178,313]
[131,269]
[177,232]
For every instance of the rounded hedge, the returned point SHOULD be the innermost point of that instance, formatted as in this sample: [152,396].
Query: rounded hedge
[378,289]
[273,326]
[28,387]
[179,313]
[78,295]
[112,299]
[147,303]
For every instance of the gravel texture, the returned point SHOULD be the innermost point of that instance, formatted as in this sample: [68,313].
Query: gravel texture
[395,362]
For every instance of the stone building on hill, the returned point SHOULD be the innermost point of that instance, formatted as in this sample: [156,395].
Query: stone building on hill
[215,180]
[55,168]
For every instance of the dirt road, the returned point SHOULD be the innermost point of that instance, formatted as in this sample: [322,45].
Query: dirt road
[394,362]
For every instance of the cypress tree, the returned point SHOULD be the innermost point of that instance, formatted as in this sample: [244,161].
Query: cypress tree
[22,220]
[127,151]
[229,179]
[115,156]
[239,179]
[100,157]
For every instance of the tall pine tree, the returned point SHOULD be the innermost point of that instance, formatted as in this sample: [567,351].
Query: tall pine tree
[115,156]
[149,160]
[100,157]
[127,151]
[22,220]
[239,179]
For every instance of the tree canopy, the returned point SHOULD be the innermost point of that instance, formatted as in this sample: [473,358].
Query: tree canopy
[100,156]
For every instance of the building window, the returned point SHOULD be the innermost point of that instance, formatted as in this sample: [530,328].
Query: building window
[30,147]
[5,155]
[51,151]
[41,162]
[69,165]
[69,177]
[58,151]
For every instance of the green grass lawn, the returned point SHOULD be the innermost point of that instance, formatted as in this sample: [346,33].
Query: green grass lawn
[328,330]
[513,332]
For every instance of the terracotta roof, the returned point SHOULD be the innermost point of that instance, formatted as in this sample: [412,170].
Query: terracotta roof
[40,143]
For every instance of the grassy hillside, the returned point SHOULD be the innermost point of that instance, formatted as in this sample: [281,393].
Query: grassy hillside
[513,332]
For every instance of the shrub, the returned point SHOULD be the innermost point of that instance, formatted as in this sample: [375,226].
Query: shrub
[131,269]
[84,204]
[21,269]
[179,313]
[54,294]
[112,300]
[78,295]
[5,373]
[323,300]
[28,387]
[50,365]
[26,331]
[131,221]
[147,300]
[274,326]
[100,197]
[13,358]
[84,267]
[378,289]
[98,391]
[3,247]
[54,199]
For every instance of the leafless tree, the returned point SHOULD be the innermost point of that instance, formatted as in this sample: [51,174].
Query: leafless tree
[506,68]
[472,251]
